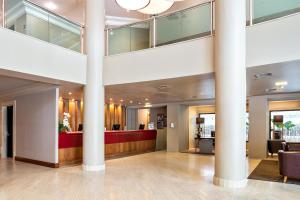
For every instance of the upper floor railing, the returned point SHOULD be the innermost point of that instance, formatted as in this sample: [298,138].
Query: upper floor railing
[30,19]
[191,23]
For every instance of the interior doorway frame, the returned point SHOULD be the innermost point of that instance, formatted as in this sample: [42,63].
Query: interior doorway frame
[3,120]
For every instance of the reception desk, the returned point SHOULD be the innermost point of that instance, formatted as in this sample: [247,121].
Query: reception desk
[117,143]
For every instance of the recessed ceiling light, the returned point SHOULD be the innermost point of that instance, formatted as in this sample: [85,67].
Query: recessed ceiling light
[121,100]
[262,75]
[139,103]
[146,99]
[271,90]
[110,99]
[281,83]
[148,105]
[163,87]
[70,93]
[131,101]
[50,5]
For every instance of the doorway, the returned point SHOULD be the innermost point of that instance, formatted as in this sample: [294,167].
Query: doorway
[8,132]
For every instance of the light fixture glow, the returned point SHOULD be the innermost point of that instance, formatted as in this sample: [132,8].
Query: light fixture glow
[70,93]
[147,105]
[121,100]
[133,4]
[50,5]
[281,83]
[131,102]
[146,99]
[156,7]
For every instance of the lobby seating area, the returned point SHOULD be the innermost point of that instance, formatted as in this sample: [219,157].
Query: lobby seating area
[289,160]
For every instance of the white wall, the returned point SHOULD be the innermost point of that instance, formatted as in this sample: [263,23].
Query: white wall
[274,41]
[24,54]
[177,137]
[170,61]
[270,42]
[37,126]
[258,126]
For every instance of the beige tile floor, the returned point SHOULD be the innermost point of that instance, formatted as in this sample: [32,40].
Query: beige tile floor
[157,176]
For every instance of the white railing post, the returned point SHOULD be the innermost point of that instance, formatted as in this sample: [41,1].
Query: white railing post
[82,39]
[212,17]
[3,13]
[106,42]
[154,32]
[251,11]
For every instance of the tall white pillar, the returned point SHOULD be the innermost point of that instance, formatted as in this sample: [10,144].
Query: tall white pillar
[230,155]
[93,137]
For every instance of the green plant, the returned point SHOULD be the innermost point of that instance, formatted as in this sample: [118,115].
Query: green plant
[278,125]
[288,126]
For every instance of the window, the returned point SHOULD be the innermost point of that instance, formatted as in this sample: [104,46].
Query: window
[210,121]
[209,124]
[290,128]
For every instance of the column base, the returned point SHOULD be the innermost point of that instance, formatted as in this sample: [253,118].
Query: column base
[93,168]
[230,183]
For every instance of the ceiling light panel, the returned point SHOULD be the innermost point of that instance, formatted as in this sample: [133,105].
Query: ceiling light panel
[157,6]
[133,4]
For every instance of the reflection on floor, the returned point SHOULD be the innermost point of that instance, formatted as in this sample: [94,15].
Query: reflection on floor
[156,176]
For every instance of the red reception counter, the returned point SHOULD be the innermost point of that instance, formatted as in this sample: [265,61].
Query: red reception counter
[116,143]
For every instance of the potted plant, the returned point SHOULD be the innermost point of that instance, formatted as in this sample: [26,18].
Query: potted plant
[64,125]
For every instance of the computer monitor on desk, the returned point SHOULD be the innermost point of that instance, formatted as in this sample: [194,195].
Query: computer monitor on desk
[142,127]
[116,127]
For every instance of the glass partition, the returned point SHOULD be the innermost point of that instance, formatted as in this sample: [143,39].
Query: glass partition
[129,38]
[264,10]
[184,25]
[27,18]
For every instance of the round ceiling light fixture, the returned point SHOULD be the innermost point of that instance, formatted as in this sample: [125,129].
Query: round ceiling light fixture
[157,6]
[133,4]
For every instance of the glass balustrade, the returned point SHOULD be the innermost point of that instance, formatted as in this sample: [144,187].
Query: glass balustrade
[27,18]
[264,10]
[184,25]
[129,38]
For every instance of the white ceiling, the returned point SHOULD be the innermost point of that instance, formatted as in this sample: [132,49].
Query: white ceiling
[203,87]
[8,83]
[184,89]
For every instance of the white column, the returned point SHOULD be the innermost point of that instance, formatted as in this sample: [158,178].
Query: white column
[230,155]
[93,137]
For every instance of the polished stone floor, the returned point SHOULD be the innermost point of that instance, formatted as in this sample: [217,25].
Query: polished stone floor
[157,176]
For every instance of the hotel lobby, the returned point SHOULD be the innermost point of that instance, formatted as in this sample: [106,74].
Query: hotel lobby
[149,99]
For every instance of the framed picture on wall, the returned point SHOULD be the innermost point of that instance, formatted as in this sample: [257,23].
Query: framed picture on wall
[161,121]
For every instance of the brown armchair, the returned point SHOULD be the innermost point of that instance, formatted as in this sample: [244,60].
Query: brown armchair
[274,146]
[291,146]
[289,164]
